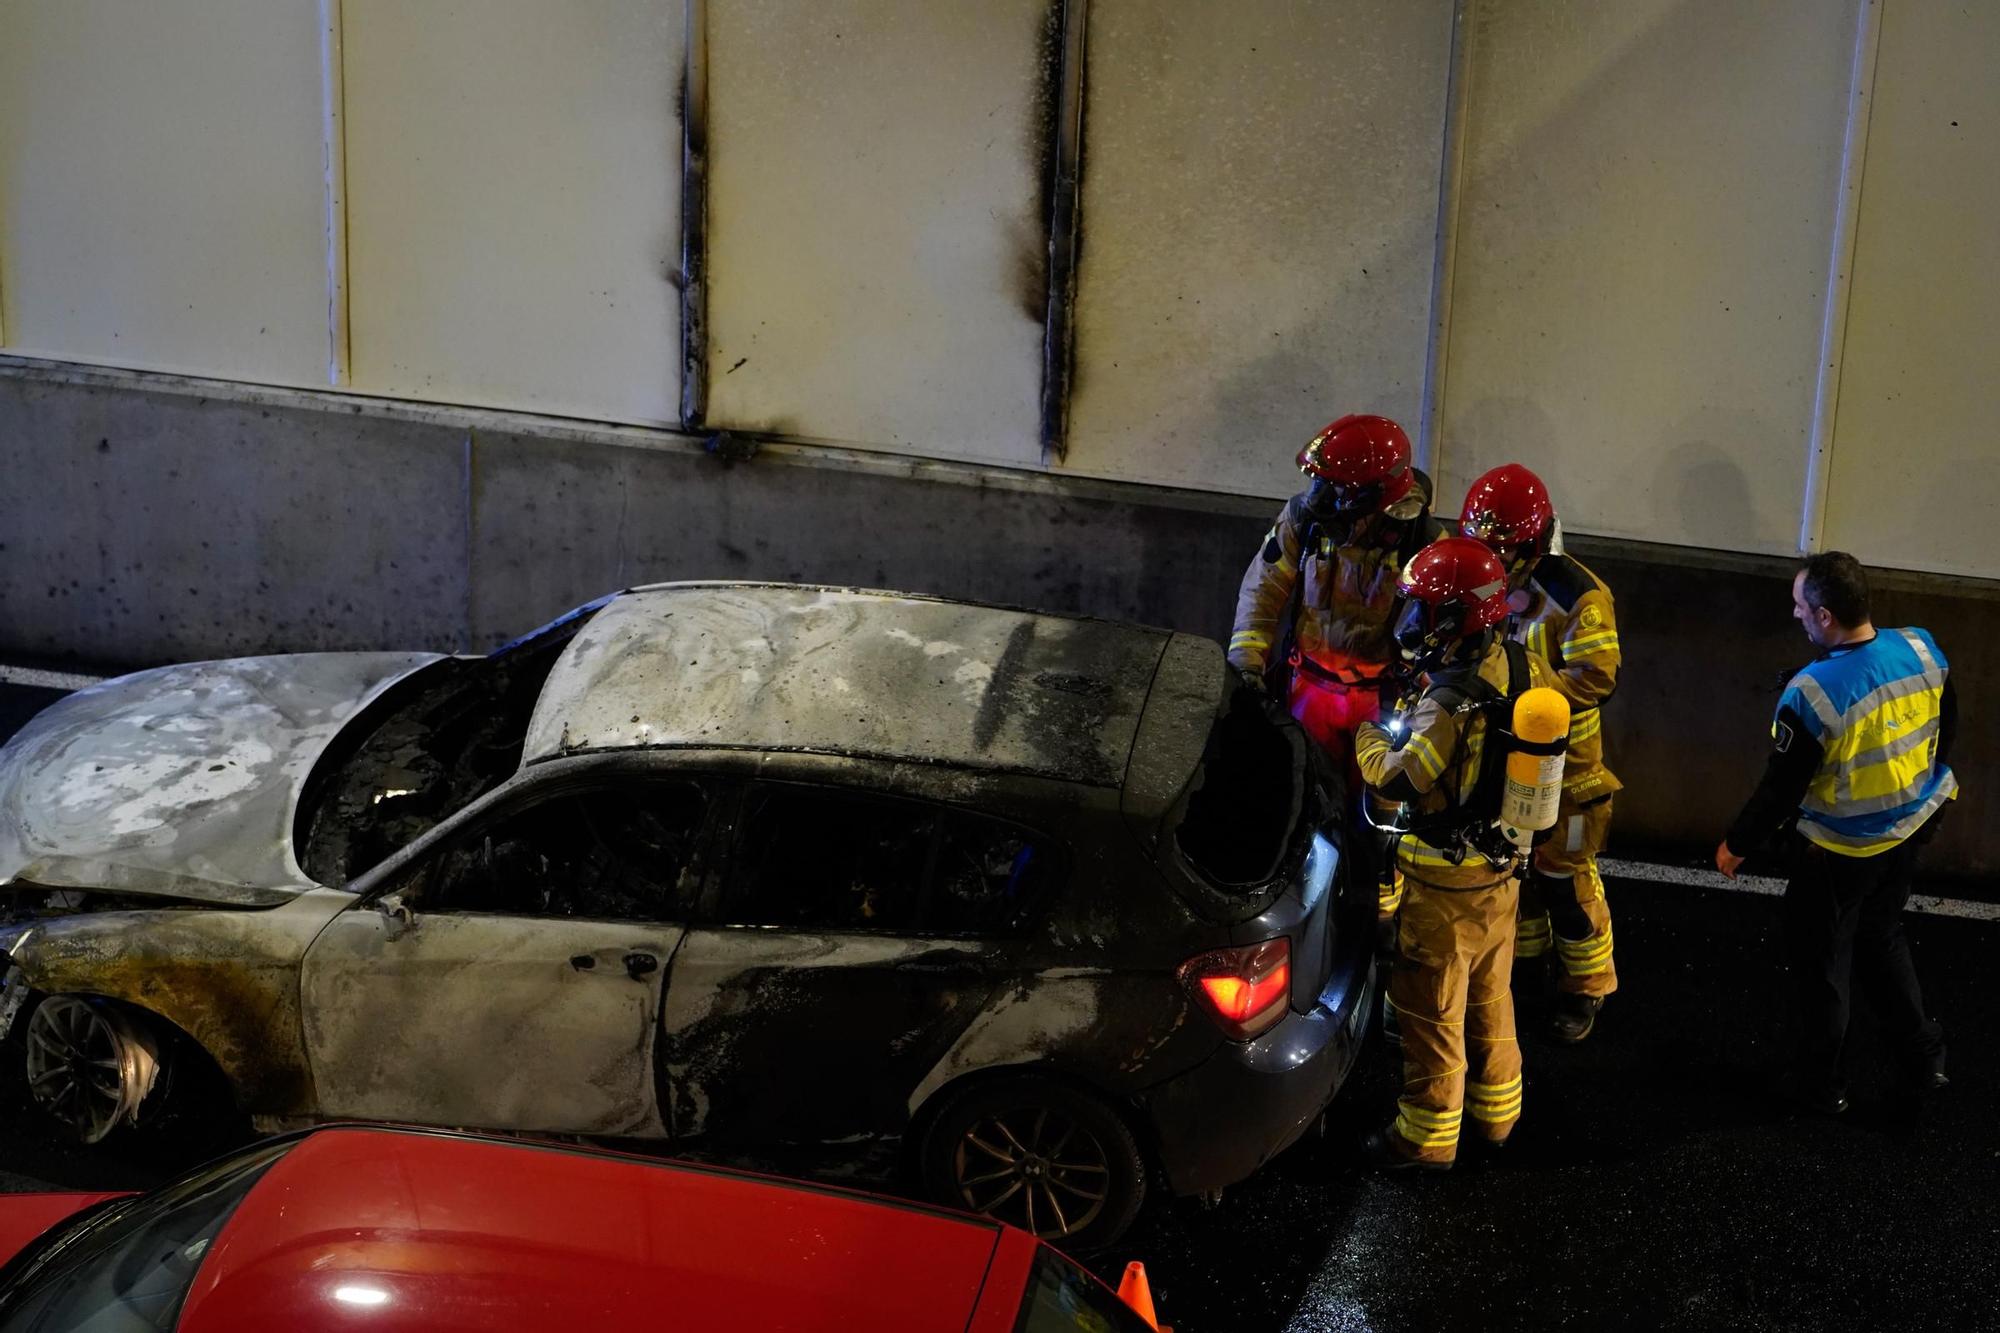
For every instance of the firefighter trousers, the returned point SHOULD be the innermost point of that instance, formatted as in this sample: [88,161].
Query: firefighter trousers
[1563,904]
[1450,989]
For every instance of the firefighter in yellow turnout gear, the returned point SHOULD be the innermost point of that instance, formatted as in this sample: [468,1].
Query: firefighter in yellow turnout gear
[1450,986]
[1312,613]
[1562,612]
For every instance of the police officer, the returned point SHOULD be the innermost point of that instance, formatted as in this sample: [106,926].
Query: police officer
[1859,750]
[1312,615]
[1565,614]
[1450,985]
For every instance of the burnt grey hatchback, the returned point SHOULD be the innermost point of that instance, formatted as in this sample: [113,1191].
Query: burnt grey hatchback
[1041,908]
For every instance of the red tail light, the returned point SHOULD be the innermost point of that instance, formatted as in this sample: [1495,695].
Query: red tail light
[1247,988]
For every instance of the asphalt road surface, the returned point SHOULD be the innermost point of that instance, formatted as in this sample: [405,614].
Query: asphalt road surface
[1654,1181]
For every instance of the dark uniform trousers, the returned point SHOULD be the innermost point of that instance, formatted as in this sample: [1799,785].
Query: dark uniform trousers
[1844,922]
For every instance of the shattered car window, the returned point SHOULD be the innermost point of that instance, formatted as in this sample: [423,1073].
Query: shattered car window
[616,854]
[825,859]
[1241,815]
[423,751]
[987,873]
[828,860]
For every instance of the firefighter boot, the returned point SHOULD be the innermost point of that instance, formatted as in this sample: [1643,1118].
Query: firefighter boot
[1575,1016]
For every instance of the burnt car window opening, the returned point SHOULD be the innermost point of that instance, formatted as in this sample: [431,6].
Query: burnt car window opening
[423,751]
[622,853]
[1062,1298]
[1240,816]
[130,1269]
[987,874]
[824,859]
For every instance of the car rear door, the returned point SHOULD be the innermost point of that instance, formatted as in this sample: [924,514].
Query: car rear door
[523,991]
[857,937]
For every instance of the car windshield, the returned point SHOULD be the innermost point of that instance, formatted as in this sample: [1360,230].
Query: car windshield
[129,1269]
[424,751]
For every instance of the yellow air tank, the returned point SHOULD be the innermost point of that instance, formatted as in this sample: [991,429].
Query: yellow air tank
[1535,764]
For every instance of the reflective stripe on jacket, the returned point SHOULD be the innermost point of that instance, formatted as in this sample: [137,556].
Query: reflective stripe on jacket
[1434,764]
[1572,622]
[1875,711]
[1344,607]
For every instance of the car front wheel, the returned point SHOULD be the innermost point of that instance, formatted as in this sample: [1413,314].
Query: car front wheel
[89,1065]
[1040,1156]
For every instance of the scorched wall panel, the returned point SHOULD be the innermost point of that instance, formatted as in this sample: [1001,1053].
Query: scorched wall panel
[1259,219]
[876,233]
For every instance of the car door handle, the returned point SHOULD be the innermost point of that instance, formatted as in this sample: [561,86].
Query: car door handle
[639,964]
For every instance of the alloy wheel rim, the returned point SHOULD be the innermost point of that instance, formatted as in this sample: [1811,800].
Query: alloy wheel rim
[1034,1168]
[80,1066]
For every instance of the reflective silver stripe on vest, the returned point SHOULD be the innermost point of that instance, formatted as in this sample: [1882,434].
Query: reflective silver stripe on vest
[1931,672]
[1874,842]
[1816,699]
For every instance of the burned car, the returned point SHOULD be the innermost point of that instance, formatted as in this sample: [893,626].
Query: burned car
[1040,908]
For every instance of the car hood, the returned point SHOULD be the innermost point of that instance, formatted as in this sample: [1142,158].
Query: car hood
[23,1217]
[181,781]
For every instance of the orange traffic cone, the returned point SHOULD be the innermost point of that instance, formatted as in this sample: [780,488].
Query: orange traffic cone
[1137,1293]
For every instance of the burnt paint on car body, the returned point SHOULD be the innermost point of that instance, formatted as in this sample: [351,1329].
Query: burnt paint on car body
[227,979]
[1089,734]
[842,671]
[180,781]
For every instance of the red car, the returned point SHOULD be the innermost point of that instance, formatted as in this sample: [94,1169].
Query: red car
[391,1229]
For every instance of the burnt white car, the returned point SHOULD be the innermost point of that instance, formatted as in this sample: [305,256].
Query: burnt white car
[1039,907]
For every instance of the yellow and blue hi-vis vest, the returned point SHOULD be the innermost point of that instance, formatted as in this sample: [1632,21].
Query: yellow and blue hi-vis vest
[1875,712]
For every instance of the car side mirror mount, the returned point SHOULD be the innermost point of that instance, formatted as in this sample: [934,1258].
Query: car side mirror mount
[396,914]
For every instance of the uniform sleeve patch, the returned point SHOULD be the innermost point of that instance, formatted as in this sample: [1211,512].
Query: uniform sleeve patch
[1781,732]
[1593,616]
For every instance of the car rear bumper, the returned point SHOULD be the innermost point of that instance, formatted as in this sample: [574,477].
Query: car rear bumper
[1225,1118]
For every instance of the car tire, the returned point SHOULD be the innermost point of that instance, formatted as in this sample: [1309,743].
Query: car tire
[1039,1155]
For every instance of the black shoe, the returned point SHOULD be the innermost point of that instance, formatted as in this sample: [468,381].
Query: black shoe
[1933,1080]
[1818,1099]
[1377,1155]
[1575,1016]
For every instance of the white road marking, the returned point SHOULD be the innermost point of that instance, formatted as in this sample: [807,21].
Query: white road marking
[1930,904]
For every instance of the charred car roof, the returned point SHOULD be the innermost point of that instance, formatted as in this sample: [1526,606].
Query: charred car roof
[841,671]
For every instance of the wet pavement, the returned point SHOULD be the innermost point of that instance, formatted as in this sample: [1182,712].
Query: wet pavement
[1654,1181]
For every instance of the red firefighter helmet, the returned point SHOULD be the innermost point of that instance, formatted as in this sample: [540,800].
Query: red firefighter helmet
[1364,460]
[1509,510]
[1453,589]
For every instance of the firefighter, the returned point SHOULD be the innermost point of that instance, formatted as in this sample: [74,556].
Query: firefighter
[1564,613]
[1312,615]
[1859,759]
[1439,758]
